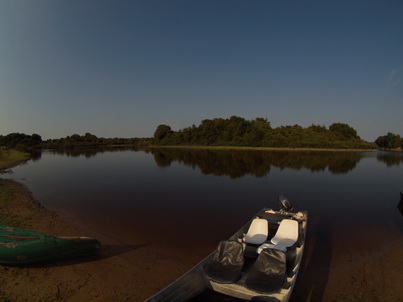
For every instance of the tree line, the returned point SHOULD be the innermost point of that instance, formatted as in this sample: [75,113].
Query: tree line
[237,131]
[91,140]
[24,142]
[233,131]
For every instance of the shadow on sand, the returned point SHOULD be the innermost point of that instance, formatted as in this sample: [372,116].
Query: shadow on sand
[314,274]
[400,204]
[107,251]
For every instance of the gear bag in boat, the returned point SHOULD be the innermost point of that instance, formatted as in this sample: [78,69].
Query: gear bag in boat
[227,262]
[268,272]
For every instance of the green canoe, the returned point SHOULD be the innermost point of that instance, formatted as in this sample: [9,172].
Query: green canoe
[21,247]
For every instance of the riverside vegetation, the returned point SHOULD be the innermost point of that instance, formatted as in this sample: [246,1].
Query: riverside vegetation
[231,132]
[9,158]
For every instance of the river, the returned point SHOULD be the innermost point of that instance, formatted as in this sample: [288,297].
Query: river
[191,199]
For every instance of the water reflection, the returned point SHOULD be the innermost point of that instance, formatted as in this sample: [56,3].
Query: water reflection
[88,152]
[257,163]
[238,163]
[390,158]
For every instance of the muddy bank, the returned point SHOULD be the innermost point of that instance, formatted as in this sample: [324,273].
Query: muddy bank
[335,268]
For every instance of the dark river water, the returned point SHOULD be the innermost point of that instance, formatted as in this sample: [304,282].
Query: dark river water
[195,198]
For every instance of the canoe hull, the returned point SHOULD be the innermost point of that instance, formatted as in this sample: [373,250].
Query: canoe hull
[20,247]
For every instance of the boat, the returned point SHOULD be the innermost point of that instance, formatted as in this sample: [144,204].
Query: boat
[260,262]
[19,247]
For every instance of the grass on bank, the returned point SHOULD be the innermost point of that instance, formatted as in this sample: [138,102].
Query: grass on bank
[12,220]
[10,158]
[7,196]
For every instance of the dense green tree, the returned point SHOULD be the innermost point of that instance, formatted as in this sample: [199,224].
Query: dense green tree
[389,141]
[162,132]
[343,129]
[317,129]
[256,132]
[20,141]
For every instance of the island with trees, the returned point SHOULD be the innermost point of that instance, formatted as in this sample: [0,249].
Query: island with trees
[237,131]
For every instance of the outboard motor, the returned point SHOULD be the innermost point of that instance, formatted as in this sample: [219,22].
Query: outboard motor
[285,204]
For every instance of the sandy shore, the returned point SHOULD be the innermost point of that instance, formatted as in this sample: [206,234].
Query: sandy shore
[133,272]
[120,273]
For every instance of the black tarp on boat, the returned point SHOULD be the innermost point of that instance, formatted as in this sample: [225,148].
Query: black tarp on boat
[269,271]
[227,262]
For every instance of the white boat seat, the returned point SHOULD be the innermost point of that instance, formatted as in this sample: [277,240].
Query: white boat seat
[286,236]
[258,232]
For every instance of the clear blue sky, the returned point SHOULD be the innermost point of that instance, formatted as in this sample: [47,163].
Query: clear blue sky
[121,68]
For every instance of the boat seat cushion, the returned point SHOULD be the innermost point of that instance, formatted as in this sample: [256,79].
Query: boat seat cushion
[271,246]
[227,262]
[258,232]
[268,273]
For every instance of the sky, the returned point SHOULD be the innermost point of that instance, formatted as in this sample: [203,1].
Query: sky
[120,68]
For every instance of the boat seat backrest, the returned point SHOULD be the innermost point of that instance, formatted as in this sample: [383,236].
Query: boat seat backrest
[258,231]
[287,233]
[286,236]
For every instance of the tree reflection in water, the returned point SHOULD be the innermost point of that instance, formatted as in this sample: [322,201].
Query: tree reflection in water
[237,163]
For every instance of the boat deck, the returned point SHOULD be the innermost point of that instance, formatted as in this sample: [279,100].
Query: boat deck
[238,289]
[196,286]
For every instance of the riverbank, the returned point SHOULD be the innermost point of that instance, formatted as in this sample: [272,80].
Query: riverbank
[124,271]
[132,271]
[10,158]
